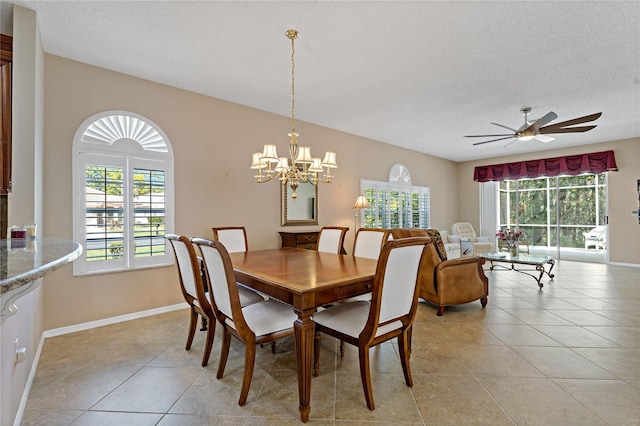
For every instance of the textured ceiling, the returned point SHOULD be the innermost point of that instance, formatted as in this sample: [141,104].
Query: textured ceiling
[413,74]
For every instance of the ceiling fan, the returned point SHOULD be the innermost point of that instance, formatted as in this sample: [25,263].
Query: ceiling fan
[538,129]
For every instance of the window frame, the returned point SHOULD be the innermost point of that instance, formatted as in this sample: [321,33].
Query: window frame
[386,188]
[129,150]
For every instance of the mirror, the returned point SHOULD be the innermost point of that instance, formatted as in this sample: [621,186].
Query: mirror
[302,210]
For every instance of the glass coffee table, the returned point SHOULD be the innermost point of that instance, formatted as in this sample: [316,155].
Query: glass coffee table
[539,263]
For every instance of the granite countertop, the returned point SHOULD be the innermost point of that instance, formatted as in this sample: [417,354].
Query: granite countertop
[23,262]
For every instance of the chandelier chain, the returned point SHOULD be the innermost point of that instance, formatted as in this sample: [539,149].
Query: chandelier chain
[293,85]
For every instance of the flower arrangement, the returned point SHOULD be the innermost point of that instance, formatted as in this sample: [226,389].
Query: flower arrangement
[511,237]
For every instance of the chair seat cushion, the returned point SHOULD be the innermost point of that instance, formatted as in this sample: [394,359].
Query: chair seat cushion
[268,316]
[248,297]
[350,318]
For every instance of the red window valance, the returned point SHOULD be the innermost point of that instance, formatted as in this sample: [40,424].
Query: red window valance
[595,162]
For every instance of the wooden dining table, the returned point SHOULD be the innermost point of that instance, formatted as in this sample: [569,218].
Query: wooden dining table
[305,280]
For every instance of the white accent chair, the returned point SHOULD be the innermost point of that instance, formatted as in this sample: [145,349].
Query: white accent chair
[331,239]
[596,238]
[253,325]
[452,248]
[389,313]
[470,244]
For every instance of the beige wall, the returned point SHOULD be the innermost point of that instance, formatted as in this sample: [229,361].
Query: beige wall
[624,230]
[212,142]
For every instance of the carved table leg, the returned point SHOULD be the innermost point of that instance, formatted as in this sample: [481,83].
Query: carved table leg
[304,336]
[552,262]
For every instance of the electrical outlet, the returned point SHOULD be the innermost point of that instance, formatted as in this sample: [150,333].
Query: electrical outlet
[16,345]
[19,354]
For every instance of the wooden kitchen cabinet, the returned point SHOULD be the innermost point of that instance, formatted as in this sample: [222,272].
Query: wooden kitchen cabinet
[6,57]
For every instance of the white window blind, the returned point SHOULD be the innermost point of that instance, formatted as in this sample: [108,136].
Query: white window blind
[395,206]
[123,194]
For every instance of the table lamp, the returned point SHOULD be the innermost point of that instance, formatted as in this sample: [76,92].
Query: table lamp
[361,203]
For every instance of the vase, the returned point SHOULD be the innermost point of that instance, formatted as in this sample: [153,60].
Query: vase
[513,250]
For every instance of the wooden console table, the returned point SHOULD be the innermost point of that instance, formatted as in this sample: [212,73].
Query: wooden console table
[305,240]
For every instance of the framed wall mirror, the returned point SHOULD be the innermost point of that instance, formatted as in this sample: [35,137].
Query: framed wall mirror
[302,210]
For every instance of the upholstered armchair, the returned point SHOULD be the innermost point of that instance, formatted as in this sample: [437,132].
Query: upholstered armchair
[451,282]
[470,244]
[451,247]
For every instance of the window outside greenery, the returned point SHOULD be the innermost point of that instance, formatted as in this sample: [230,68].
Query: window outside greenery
[395,206]
[105,217]
[544,207]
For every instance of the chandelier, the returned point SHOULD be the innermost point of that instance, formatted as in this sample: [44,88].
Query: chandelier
[300,166]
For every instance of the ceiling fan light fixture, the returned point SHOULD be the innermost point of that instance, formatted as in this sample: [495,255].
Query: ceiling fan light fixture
[538,129]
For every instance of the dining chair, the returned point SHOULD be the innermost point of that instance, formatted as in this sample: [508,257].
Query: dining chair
[369,241]
[255,324]
[192,287]
[331,239]
[234,238]
[389,314]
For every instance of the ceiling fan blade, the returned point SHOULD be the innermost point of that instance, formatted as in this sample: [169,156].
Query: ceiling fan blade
[578,120]
[515,139]
[487,136]
[543,138]
[505,127]
[547,118]
[580,129]
[493,140]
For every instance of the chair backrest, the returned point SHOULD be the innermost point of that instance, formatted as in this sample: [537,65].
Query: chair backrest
[222,282]
[434,234]
[331,239]
[369,241]
[598,232]
[463,229]
[398,233]
[394,294]
[234,238]
[188,268]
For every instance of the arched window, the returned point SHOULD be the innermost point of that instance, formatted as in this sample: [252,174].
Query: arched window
[122,193]
[396,203]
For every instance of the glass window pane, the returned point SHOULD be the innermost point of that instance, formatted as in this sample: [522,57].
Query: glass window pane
[104,214]
[148,212]
[532,208]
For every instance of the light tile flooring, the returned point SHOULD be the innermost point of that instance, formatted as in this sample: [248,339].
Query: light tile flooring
[568,354]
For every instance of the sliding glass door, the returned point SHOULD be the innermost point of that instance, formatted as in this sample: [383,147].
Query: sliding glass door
[558,215]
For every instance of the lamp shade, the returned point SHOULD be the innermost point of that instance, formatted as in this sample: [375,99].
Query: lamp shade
[316,166]
[269,154]
[257,162]
[283,164]
[330,160]
[361,203]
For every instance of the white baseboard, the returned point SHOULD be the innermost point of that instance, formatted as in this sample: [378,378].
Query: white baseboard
[80,327]
[113,320]
[630,265]
[27,386]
